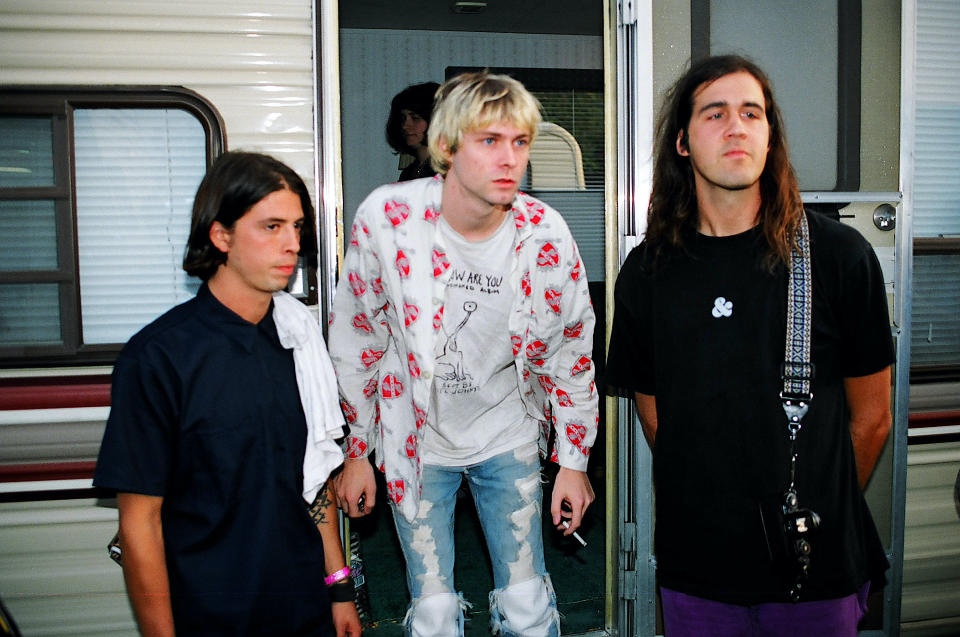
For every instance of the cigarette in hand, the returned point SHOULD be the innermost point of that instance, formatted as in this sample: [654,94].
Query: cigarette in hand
[575,535]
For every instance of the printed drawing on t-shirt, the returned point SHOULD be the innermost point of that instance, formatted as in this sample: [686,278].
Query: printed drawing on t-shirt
[451,357]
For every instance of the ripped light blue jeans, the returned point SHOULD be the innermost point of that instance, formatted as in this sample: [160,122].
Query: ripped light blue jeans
[507,493]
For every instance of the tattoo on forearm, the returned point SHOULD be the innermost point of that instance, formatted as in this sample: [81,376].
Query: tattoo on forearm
[318,510]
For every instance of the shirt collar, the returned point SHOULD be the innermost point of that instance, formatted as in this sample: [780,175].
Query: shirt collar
[518,209]
[222,319]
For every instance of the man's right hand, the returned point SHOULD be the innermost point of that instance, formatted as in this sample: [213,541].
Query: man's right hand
[356,487]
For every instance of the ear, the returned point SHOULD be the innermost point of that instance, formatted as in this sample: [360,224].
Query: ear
[220,237]
[682,149]
[444,148]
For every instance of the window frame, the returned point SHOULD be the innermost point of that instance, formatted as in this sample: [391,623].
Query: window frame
[933,85]
[59,103]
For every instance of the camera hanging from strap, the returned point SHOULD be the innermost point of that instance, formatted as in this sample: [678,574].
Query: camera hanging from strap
[795,396]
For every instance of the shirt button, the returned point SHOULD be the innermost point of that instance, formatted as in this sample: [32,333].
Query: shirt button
[426,375]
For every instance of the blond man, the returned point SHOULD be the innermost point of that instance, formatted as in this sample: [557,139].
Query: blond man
[462,335]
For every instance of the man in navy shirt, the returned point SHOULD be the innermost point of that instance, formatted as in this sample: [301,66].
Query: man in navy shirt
[206,437]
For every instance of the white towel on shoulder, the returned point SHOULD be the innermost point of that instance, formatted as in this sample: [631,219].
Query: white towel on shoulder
[299,330]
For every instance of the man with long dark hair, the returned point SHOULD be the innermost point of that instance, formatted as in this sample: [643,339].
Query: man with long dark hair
[761,527]
[220,436]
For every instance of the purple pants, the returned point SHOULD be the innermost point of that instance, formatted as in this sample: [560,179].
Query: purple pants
[689,616]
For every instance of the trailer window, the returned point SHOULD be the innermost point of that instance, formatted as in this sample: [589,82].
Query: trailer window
[95,204]
[935,336]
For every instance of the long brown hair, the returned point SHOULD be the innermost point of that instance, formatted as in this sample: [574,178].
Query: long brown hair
[672,214]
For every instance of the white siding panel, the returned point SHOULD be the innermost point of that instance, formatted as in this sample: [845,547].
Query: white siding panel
[51,435]
[935,397]
[55,576]
[252,60]
[931,564]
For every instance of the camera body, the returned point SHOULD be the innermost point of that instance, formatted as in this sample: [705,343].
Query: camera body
[788,530]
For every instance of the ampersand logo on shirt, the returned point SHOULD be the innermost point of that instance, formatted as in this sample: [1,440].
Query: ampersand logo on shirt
[722,308]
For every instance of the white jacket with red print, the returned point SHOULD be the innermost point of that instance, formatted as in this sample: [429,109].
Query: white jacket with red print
[388,311]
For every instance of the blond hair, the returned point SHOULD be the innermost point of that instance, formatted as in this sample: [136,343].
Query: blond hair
[473,100]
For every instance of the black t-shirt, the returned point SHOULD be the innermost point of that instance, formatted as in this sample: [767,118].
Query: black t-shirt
[703,331]
[205,412]
[417,170]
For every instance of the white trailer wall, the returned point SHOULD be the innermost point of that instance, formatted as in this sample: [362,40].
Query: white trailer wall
[253,61]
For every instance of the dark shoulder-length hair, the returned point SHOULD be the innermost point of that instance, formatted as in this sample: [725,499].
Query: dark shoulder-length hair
[417,98]
[672,214]
[236,182]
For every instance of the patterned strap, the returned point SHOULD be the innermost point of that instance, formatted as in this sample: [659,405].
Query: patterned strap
[797,368]
[796,394]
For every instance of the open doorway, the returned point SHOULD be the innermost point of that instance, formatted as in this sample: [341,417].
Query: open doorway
[556,49]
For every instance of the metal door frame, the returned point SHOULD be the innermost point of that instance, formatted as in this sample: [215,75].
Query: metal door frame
[636,564]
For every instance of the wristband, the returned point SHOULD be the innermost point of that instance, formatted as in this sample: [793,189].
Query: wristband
[342,591]
[336,576]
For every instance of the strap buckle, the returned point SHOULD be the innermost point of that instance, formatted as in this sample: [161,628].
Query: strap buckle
[799,371]
[795,406]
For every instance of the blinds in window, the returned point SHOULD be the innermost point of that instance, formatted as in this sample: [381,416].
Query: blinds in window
[567,167]
[936,308]
[28,235]
[935,339]
[137,171]
[936,186]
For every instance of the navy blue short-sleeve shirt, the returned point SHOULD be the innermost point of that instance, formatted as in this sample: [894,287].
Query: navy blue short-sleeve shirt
[205,412]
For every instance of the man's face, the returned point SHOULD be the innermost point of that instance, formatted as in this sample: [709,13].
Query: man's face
[489,164]
[728,135]
[263,245]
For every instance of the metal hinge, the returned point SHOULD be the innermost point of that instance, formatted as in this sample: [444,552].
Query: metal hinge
[627,10]
[628,555]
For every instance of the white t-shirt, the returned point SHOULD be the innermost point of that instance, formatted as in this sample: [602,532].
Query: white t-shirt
[477,411]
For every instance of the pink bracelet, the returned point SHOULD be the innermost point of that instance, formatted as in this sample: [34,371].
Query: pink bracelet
[335,577]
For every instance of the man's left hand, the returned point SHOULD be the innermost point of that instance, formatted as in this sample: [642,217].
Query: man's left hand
[572,494]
